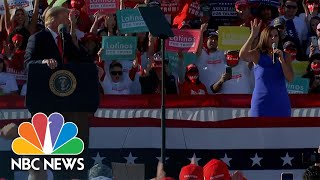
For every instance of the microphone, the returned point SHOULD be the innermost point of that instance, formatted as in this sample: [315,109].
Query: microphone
[62,29]
[273,55]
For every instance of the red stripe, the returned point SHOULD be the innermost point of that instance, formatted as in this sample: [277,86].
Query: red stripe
[233,123]
[154,101]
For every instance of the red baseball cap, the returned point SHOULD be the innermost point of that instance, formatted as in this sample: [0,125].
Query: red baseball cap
[77,4]
[189,67]
[243,3]
[216,170]
[191,171]
[17,37]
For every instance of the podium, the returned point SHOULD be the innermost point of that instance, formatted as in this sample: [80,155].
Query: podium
[73,91]
[71,88]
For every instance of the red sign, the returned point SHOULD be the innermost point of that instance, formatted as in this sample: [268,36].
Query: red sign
[106,6]
[185,39]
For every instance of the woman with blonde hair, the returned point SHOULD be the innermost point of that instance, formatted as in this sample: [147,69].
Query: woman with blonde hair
[272,67]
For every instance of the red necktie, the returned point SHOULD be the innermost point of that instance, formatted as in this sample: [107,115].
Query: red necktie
[59,44]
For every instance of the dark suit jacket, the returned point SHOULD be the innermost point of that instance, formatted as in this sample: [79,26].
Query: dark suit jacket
[43,46]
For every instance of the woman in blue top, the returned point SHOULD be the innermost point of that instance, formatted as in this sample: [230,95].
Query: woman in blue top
[270,97]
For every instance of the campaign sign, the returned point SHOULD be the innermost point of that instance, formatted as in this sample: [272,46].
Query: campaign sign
[106,6]
[232,37]
[131,21]
[188,58]
[119,47]
[300,67]
[14,4]
[185,39]
[298,86]
[274,3]
[223,12]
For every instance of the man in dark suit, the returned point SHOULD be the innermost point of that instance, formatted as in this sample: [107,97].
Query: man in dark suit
[45,47]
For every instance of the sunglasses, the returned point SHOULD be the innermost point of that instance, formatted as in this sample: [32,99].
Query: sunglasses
[291,7]
[193,71]
[114,73]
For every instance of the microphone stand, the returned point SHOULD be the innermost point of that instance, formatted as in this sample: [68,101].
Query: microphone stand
[63,45]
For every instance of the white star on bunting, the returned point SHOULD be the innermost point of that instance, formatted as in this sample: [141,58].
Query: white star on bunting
[226,159]
[256,160]
[130,159]
[98,159]
[194,159]
[287,160]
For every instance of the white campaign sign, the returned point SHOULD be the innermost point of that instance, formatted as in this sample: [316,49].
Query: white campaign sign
[14,4]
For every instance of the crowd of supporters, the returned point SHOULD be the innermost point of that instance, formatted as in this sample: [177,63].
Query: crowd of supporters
[214,169]
[297,21]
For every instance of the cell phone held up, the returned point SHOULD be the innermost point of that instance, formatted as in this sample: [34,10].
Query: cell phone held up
[286,176]
[229,70]
[314,41]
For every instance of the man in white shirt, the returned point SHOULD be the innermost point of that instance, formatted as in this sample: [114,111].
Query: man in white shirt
[237,80]
[211,62]
[118,82]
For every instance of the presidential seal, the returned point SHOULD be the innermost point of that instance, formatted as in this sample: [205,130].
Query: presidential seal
[62,83]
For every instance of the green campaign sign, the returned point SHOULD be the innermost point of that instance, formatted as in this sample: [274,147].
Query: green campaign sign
[131,21]
[298,86]
[119,47]
[189,58]
[300,67]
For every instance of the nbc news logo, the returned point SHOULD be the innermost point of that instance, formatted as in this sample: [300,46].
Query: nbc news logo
[47,136]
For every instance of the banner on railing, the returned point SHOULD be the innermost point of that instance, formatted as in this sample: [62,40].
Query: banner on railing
[138,141]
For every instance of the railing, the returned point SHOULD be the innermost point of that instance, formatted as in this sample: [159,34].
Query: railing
[172,101]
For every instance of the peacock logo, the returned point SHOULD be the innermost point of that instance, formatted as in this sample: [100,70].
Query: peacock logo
[47,135]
